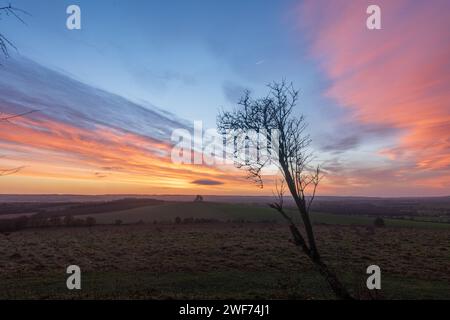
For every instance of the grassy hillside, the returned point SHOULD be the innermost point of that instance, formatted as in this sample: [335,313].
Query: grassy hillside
[169,211]
[227,212]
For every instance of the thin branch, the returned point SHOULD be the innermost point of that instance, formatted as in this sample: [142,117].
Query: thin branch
[275,112]
[7,172]
[4,41]
[7,118]
[317,178]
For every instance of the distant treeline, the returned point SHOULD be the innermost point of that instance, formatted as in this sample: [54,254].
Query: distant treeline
[385,207]
[30,207]
[190,220]
[72,209]
[37,221]
[398,207]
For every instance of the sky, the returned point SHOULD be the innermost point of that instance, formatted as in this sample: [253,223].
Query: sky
[110,95]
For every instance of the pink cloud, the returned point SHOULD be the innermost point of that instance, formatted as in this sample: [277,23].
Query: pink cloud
[397,76]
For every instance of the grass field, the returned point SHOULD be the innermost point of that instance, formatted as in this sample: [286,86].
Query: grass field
[220,260]
[239,251]
[246,212]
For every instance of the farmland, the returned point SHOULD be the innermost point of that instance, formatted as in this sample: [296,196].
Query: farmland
[247,213]
[210,250]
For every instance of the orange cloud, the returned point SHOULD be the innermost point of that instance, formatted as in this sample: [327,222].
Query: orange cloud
[86,140]
[56,153]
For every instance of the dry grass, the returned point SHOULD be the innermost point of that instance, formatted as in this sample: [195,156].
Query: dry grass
[406,257]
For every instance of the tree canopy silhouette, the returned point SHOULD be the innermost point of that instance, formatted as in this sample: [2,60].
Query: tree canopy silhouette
[274,112]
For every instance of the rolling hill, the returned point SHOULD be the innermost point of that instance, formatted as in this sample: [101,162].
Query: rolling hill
[167,212]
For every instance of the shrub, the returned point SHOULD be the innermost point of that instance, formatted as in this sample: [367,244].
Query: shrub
[379,222]
[7,225]
[177,220]
[118,222]
[55,221]
[79,222]
[21,222]
[15,224]
[188,220]
[68,221]
[90,221]
[198,198]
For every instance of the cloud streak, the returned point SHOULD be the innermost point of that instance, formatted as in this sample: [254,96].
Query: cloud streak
[397,77]
[83,136]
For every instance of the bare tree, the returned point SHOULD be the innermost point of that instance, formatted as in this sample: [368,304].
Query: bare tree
[8,117]
[275,112]
[5,43]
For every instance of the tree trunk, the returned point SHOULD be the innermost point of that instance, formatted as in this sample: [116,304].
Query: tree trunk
[338,288]
[311,251]
[330,277]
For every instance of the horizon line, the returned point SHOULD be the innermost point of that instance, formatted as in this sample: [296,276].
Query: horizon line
[207,195]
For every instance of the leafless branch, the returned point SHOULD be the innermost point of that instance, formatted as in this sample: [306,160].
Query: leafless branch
[7,118]
[276,112]
[7,172]
[17,13]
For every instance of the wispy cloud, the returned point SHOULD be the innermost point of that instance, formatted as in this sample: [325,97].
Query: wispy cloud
[160,80]
[82,133]
[397,78]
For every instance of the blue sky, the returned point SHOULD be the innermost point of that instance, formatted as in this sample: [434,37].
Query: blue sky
[187,57]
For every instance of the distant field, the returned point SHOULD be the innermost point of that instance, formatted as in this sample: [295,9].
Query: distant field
[231,212]
[401,212]
[169,211]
